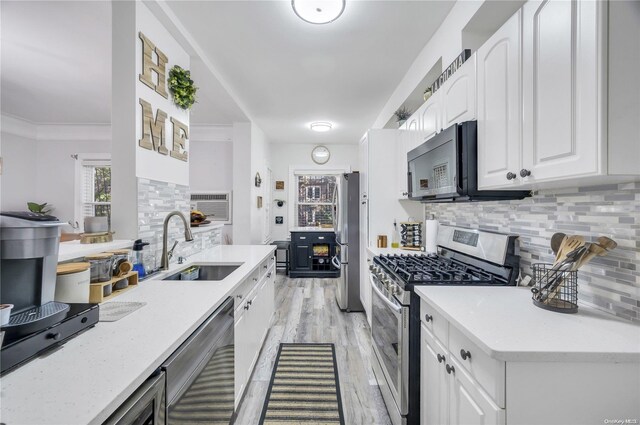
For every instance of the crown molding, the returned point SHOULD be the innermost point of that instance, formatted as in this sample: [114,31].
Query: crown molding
[211,133]
[54,132]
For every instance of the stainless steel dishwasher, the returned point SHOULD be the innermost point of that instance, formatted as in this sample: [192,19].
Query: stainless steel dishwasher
[200,373]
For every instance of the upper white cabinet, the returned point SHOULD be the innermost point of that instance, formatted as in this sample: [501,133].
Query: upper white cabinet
[565,127]
[458,95]
[562,92]
[431,116]
[500,105]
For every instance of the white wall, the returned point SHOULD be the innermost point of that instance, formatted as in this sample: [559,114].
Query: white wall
[56,172]
[211,163]
[446,43]
[19,172]
[149,163]
[285,157]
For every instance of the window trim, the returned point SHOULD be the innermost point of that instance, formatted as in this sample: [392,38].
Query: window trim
[80,158]
[294,172]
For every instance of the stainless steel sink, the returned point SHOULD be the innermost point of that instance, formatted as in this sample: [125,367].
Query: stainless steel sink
[207,271]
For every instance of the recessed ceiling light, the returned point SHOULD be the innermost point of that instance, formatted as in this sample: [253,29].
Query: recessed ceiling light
[321,126]
[318,11]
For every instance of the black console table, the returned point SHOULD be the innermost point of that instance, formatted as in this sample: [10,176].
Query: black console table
[311,254]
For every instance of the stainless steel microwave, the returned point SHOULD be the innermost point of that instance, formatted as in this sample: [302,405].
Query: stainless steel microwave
[445,169]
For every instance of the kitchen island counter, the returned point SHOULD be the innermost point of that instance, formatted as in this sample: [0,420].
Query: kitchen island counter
[87,378]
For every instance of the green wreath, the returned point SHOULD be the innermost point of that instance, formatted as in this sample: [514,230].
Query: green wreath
[181,87]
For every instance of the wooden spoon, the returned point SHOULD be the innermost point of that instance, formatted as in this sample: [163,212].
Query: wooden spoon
[569,244]
[556,241]
[607,243]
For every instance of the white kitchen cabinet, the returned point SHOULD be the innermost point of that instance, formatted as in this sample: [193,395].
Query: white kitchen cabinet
[562,91]
[448,394]
[575,89]
[431,116]
[434,382]
[463,383]
[500,106]
[253,313]
[458,95]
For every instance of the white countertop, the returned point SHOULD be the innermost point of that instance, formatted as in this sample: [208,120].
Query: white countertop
[86,379]
[74,249]
[206,228]
[312,229]
[506,324]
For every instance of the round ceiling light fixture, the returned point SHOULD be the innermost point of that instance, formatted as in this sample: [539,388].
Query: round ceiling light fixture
[321,126]
[318,11]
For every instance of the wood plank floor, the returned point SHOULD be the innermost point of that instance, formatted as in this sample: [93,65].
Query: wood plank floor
[306,311]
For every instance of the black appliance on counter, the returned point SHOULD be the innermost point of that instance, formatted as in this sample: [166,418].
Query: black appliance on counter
[28,259]
[465,257]
[445,169]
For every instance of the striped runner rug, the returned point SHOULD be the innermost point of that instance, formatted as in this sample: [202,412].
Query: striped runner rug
[304,387]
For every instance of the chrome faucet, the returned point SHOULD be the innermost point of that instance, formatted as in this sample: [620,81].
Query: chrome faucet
[164,264]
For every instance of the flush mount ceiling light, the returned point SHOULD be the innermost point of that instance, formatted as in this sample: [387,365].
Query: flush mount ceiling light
[321,126]
[318,11]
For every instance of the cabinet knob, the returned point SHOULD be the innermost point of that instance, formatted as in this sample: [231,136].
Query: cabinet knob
[465,354]
[54,336]
[511,176]
[405,193]
[265,266]
[250,302]
[525,173]
[246,306]
[428,317]
[440,358]
[269,274]
[255,279]
[450,369]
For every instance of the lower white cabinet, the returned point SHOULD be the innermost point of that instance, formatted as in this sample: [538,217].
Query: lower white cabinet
[460,383]
[449,395]
[254,307]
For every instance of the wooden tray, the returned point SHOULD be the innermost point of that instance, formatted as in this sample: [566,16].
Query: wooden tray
[96,291]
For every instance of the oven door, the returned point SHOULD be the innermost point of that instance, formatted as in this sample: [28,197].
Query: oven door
[390,330]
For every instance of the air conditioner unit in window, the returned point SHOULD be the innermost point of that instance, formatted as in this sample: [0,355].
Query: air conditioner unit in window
[216,205]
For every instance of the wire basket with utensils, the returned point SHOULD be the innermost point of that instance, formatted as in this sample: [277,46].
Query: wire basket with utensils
[555,290]
[555,286]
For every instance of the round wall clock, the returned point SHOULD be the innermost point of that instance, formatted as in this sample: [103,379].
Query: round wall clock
[320,155]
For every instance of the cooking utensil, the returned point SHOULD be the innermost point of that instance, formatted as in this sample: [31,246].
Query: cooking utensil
[570,244]
[554,276]
[607,243]
[556,241]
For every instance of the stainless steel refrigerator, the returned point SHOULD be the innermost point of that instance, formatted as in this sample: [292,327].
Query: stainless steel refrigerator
[346,220]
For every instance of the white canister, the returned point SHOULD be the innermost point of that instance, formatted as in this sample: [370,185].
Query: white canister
[431,235]
[72,283]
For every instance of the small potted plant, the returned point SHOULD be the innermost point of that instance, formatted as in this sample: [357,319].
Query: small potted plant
[181,87]
[39,208]
[402,114]
[427,93]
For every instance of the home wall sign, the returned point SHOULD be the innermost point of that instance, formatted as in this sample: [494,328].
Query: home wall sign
[279,219]
[451,69]
[279,184]
[154,128]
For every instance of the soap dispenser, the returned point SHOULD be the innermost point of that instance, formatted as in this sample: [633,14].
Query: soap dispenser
[138,257]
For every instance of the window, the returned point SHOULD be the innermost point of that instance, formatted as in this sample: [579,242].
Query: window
[94,187]
[314,199]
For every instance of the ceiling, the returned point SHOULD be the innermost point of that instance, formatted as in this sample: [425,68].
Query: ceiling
[56,62]
[288,73]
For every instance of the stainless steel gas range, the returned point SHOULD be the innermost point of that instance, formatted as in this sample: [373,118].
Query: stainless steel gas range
[465,257]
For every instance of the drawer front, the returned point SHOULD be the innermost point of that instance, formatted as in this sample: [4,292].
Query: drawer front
[300,237]
[488,372]
[434,321]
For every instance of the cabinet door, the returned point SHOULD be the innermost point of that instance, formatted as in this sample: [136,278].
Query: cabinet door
[302,257]
[562,88]
[500,106]
[431,116]
[468,404]
[414,134]
[459,95]
[242,339]
[401,159]
[365,289]
[434,381]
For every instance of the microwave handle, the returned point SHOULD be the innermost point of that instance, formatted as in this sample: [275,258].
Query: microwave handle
[409,185]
